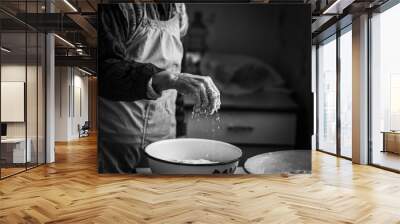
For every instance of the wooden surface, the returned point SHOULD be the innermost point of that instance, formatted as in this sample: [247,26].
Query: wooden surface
[71,191]
[386,159]
[8,171]
[391,142]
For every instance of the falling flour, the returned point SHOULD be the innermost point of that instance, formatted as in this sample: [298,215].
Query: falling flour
[200,115]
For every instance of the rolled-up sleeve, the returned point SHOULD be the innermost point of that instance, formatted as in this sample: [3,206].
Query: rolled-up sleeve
[120,78]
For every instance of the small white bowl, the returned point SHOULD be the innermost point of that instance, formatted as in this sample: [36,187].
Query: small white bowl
[168,156]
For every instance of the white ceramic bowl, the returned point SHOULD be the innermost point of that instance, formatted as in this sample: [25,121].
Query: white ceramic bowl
[170,156]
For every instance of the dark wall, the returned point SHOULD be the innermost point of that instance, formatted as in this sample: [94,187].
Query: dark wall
[278,34]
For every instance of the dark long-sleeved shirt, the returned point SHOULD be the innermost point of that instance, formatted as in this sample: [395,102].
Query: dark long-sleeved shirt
[120,77]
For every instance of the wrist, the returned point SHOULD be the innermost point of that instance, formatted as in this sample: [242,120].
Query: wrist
[163,80]
[151,92]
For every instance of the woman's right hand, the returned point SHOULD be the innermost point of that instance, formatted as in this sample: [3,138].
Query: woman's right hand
[202,88]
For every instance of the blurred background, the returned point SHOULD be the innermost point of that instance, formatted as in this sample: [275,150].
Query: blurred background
[259,57]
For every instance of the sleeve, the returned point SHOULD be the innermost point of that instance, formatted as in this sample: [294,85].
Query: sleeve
[121,78]
[151,92]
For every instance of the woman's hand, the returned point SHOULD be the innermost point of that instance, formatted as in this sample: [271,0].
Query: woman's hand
[202,88]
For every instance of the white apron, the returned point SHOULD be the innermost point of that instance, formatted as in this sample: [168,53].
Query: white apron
[126,128]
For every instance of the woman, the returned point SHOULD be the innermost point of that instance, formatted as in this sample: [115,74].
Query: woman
[140,55]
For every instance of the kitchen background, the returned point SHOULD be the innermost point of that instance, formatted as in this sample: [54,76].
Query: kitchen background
[260,58]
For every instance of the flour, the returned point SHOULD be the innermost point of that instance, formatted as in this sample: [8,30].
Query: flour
[200,115]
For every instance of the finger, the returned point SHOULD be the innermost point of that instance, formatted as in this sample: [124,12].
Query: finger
[213,95]
[217,96]
[197,98]
[209,86]
[215,87]
[203,95]
[216,105]
[209,91]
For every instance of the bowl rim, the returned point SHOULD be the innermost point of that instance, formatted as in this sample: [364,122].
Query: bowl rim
[191,164]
